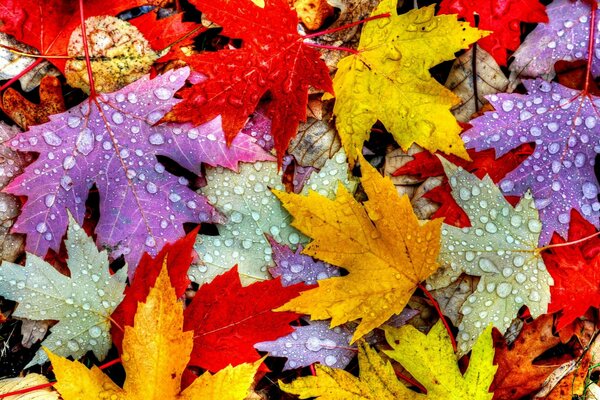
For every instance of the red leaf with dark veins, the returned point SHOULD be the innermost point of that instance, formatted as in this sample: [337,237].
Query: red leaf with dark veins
[228,319]
[47,24]
[164,32]
[576,272]
[273,58]
[502,17]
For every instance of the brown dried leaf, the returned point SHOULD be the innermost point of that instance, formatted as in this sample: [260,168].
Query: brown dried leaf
[25,113]
[490,80]
[313,13]
[452,297]
[14,384]
[315,143]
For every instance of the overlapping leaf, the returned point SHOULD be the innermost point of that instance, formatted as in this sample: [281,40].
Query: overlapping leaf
[388,80]
[109,141]
[563,124]
[273,58]
[501,248]
[381,244]
[81,303]
[155,353]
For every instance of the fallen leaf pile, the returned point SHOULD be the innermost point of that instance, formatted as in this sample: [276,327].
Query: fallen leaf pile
[331,199]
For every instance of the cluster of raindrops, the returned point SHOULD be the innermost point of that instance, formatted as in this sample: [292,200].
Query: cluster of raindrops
[501,248]
[111,143]
[564,37]
[313,343]
[81,303]
[560,172]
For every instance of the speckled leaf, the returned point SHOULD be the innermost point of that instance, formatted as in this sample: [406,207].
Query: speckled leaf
[564,37]
[501,248]
[109,141]
[81,303]
[313,343]
[295,267]
[253,211]
[560,173]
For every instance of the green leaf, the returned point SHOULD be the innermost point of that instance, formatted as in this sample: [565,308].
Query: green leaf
[501,248]
[253,211]
[430,359]
[82,304]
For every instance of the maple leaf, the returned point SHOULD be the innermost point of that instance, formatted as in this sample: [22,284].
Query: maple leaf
[564,37]
[155,353]
[502,17]
[575,269]
[562,123]
[9,385]
[501,248]
[519,371]
[81,303]
[294,267]
[377,381]
[109,141]
[429,358]
[426,165]
[47,25]
[229,319]
[162,33]
[381,244]
[178,256]
[388,80]
[312,343]
[253,211]
[273,58]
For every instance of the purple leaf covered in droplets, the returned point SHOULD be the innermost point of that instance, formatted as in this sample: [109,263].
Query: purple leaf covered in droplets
[110,141]
[294,267]
[564,37]
[563,124]
[312,343]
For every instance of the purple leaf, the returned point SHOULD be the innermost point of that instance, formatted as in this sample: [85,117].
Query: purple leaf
[296,267]
[110,141]
[259,128]
[564,37]
[563,123]
[312,343]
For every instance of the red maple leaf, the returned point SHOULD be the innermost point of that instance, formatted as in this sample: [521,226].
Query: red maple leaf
[228,319]
[273,59]
[164,32]
[426,165]
[47,24]
[502,17]
[576,271]
[179,256]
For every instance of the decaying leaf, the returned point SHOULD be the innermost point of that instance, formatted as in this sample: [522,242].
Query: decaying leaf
[156,351]
[490,79]
[10,385]
[25,113]
[315,143]
[381,244]
[12,64]
[119,55]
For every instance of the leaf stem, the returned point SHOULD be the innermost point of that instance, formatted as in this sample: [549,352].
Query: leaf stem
[24,54]
[591,44]
[190,33]
[439,311]
[20,74]
[324,46]
[88,63]
[339,28]
[551,246]
[411,381]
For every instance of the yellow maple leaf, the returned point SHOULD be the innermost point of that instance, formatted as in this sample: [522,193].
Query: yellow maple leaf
[389,80]
[155,354]
[428,358]
[431,360]
[382,245]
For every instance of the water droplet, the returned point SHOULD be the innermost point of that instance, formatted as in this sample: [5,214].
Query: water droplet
[117,118]
[590,190]
[95,331]
[487,265]
[52,138]
[150,241]
[534,226]
[508,105]
[41,227]
[162,93]
[151,188]
[85,141]
[236,217]
[49,200]
[330,360]
[491,227]
[174,197]
[69,162]
[73,345]
[464,194]
[156,139]
[66,182]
